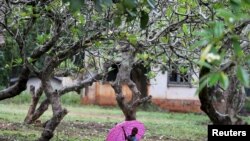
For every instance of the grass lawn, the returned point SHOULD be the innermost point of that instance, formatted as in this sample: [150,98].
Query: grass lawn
[92,123]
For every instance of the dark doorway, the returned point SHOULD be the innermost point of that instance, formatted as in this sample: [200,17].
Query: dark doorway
[137,75]
[113,73]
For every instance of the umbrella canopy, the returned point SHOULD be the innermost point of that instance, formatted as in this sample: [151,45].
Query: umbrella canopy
[117,133]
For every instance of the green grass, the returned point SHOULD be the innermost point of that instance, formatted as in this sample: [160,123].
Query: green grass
[160,125]
[71,98]
[91,123]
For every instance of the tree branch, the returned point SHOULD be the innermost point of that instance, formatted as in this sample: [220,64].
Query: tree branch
[80,84]
[167,30]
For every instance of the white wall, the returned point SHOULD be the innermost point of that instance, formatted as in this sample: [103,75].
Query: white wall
[160,89]
[67,81]
[181,93]
[158,86]
[37,83]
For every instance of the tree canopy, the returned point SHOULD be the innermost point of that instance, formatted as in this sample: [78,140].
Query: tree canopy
[64,37]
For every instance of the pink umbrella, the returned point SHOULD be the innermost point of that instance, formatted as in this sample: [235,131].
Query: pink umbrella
[117,133]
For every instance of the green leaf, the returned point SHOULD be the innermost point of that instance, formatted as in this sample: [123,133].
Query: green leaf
[198,44]
[18,61]
[243,76]
[169,11]
[98,5]
[205,52]
[98,43]
[246,2]
[163,39]
[30,60]
[235,2]
[202,83]
[118,21]
[185,28]
[120,9]
[237,49]
[41,38]
[132,39]
[164,59]
[130,4]
[107,2]
[75,5]
[145,56]
[224,80]
[182,10]
[131,13]
[218,5]
[214,78]
[218,29]
[204,64]
[144,19]
[225,13]
[151,74]
[65,1]
[130,18]
[183,69]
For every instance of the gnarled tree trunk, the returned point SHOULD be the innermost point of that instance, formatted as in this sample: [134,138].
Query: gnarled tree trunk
[18,87]
[123,77]
[58,111]
[34,101]
[38,112]
[232,97]
[45,104]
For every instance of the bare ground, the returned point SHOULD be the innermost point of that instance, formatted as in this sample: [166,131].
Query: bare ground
[71,129]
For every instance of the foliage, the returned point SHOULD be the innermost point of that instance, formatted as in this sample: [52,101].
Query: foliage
[223,38]
[157,34]
[129,9]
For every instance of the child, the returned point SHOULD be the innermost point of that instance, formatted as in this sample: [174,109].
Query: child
[131,137]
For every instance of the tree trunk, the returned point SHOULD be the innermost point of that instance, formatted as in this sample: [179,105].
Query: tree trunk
[124,77]
[45,104]
[51,125]
[40,110]
[206,99]
[18,87]
[35,98]
[58,111]
[138,77]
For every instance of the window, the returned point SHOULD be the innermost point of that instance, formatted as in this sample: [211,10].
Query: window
[179,76]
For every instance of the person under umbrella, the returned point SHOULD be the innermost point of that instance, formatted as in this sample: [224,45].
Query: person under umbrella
[127,131]
[131,137]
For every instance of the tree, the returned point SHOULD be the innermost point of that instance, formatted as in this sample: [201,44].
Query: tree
[50,37]
[46,34]
[224,61]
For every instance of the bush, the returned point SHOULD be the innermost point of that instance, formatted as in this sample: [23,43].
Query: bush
[71,98]
[25,98]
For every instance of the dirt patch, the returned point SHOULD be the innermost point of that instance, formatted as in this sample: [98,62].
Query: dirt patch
[80,130]
[84,128]
[101,127]
[9,126]
[160,138]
